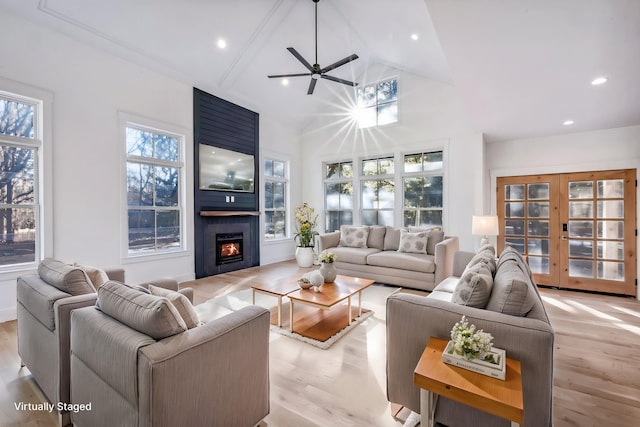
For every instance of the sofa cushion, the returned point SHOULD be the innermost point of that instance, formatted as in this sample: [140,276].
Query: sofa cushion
[436,236]
[485,255]
[392,238]
[513,289]
[97,276]
[38,298]
[152,315]
[474,287]
[353,255]
[376,236]
[353,237]
[403,261]
[180,302]
[413,242]
[67,278]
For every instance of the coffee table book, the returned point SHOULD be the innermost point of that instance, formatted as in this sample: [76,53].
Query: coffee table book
[483,367]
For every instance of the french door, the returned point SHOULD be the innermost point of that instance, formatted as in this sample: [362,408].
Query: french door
[577,230]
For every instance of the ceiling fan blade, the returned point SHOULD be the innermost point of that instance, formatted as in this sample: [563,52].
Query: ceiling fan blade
[300,58]
[312,86]
[336,79]
[277,76]
[339,63]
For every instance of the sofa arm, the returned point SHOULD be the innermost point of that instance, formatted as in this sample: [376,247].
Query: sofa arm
[116,274]
[328,240]
[460,261]
[216,374]
[412,320]
[444,258]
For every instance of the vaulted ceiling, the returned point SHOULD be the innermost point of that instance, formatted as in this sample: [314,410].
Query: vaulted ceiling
[523,67]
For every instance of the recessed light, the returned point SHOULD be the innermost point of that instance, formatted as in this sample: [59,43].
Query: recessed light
[568,122]
[414,36]
[285,82]
[222,43]
[598,81]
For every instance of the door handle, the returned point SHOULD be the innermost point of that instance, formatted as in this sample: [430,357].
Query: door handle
[564,238]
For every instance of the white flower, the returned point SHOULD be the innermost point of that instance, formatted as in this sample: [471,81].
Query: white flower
[468,341]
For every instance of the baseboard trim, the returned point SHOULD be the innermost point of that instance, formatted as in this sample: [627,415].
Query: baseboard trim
[8,314]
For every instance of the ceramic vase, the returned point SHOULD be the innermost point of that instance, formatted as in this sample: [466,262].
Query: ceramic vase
[328,271]
[304,256]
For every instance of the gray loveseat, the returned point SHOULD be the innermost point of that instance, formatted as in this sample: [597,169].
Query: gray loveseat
[414,257]
[501,299]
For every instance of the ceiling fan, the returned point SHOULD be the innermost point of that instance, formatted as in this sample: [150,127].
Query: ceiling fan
[315,71]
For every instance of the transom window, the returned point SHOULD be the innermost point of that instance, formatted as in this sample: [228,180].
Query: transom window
[378,191]
[154,179]
[20,145]
[377,103]
[338,191]
[276,183]
[423,189]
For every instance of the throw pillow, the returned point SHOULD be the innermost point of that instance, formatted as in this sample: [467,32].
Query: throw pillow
[152,315]
[181,303]
[353,237]
[67,278]
[474,287]
[97,276]
[435,234]
[392,238]
[413,242]
[512,291]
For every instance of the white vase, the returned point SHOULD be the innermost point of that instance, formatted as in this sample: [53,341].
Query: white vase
[304,256]
[328,270]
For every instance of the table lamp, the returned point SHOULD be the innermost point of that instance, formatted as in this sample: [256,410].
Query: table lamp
[485,226]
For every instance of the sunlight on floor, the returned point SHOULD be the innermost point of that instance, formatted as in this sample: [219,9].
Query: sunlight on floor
[630,328]
[595,312]
[627,311]
[560,305]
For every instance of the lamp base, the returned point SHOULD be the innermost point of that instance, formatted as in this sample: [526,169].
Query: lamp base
[484,241]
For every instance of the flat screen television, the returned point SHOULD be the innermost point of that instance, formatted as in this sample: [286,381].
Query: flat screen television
[225,170]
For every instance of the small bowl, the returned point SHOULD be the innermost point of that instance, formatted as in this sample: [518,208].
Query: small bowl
[305,285]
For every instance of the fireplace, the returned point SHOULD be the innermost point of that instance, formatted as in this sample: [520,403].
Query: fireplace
[229,248]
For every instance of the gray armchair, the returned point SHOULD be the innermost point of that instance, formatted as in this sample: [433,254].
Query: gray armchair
[216,374]
[44,305]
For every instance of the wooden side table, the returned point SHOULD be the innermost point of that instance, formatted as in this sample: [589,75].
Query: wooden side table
[436,378]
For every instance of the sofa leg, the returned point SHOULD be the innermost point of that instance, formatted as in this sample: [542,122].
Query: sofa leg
[22,365]
[64,419]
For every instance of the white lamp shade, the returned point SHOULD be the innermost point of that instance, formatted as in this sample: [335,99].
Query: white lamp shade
[485,225]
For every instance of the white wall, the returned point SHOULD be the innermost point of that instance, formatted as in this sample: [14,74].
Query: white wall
[90,88]
[432,116]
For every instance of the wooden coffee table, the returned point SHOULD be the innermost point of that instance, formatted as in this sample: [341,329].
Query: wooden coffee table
[278,289]
[319,325]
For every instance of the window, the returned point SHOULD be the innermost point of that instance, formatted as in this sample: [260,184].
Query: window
[377,104]
[154,178]
[378,191]
[338,194]
[20,145]
[276,181]
[423,189]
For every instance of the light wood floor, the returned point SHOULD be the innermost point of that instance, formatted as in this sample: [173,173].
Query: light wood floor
[597,365]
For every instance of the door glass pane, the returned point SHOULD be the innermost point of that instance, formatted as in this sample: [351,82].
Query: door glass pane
[610,229]
[611,250]
[538,209]
[539,265]
[514,192]
[518,244]
[611,270]
[539,191]
[514,227]
[611,189]
[580,209]
[581,190]
[538,228]
[581,248]
[582,229]
[610,209]
[580,268]
[538,247]
[514,210]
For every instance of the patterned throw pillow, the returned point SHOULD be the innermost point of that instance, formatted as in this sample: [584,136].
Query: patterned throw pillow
[413,242]
[474,287]
[353,237]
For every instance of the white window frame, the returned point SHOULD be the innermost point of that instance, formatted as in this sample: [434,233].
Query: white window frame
[340,180]
[43,176]
[379,177]
[440,172]
[377,105]
[130,120]
[287,210]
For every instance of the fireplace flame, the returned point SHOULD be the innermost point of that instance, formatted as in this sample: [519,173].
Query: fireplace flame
[230,249]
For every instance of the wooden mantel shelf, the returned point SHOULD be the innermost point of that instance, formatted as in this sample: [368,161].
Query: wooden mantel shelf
[229,213]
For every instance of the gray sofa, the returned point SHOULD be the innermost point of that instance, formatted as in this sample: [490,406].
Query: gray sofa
[414,257]
[501,299]
[135,360]
[44,305]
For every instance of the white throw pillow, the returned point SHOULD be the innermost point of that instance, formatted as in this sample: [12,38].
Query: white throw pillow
[353,237]
[413,242]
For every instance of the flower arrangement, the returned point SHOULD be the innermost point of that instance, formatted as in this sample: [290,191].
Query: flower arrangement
[305,219]
[470,342]
[327,257]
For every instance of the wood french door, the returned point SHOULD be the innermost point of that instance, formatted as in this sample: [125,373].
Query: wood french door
[577,230]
